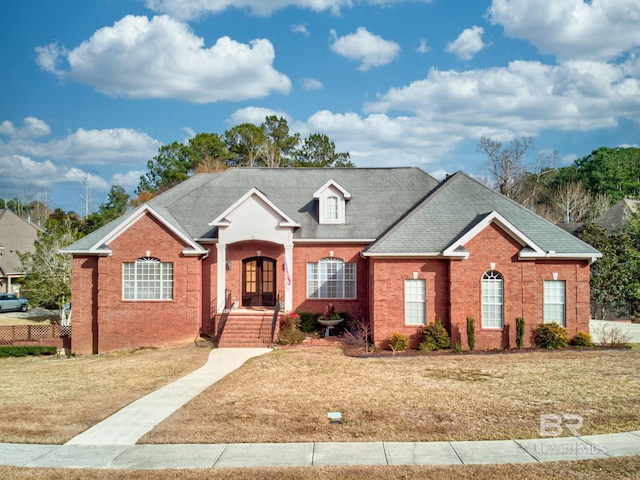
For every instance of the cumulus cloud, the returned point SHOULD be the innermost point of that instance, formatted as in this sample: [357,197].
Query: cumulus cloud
[190,9]
[162,58]
[468,43]
[522,98]
[300,28]
[31,128]
[312,84]
[423,47]
[94,182]
[364,47]
[128,180]
[591,30]
[255,115]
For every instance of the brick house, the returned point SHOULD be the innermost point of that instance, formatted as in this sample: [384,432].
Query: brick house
[215,254]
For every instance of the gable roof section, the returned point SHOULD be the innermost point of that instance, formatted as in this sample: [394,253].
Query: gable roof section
[16,235]
[97,242]
[332,183]
[458,210]
[616,216]
[221,220]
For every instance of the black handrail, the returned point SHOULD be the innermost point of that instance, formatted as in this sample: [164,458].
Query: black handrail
[274,321]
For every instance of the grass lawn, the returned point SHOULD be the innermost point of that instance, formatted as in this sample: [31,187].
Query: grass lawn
[51,400]
[285,396]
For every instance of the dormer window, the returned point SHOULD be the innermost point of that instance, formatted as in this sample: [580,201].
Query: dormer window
[331,209]
[332,203]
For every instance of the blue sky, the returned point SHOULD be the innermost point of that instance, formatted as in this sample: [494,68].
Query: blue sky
[91,89]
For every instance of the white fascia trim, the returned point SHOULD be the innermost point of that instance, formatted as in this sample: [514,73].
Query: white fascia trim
[124,226]
[402,255]
[220,221]
[592,257]
[333,240]
[97,252]
[494,217]
[332,183]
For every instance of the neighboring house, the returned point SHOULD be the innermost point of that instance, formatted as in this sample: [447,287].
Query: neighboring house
[616,216]
[16,235]
[390,245]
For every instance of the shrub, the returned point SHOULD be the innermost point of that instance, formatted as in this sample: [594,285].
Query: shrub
[290,333]
[308,322]
[582,339]
[471,333]
[398,342]
[519,332]
[551,336]
[27,350]
[434,337]
[609,336]
[358,333]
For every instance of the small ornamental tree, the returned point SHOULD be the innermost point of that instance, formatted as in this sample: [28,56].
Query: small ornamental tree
[471,333]
[519,332]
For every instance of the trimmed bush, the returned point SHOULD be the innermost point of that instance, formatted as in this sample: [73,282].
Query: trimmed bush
[290,333]
[471,333]
[27,350]
[398,342]
[551,336]
[519,332]
[308,322]
[434,337]
[582,339]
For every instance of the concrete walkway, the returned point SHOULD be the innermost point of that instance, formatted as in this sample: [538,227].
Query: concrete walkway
[111,444]
[128,425]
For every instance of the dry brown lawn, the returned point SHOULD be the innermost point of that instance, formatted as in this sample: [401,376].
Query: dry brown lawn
[285,396]
[50,400]
[618,468]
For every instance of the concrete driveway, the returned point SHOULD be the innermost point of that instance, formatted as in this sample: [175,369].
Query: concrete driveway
[631,330]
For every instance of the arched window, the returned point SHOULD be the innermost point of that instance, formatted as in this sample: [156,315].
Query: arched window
[492,300]
[147,279]
[331,278]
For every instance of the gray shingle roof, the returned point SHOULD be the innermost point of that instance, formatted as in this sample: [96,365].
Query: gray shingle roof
[378,197]
[405,209]
[455,207]
[16,235]
[616,216]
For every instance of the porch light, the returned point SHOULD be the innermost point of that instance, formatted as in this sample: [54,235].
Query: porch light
[229,264]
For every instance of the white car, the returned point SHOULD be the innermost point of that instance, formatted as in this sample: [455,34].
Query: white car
[9,302]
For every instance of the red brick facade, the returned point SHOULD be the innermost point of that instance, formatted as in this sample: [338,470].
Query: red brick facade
[454,292]
[104,321]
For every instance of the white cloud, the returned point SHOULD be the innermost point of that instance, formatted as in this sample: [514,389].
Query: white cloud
[300,28]
[468,43]
[595,30]
[312,84]
[162,58]
[364,47]
[191,9]
[128,180]
[423,47]
[31,128]
[521,99]
[94,181]
[255,115]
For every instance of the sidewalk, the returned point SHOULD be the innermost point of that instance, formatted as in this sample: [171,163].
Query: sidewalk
[111,444]
[320,454]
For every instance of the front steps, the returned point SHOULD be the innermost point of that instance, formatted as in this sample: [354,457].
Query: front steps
[246,329]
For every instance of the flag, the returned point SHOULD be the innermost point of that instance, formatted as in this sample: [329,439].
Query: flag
[287,277]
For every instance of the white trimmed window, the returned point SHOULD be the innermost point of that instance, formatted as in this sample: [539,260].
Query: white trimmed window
[331,278]
[331,213]
[147,279]
[492,300]
[415,295]
[554,301]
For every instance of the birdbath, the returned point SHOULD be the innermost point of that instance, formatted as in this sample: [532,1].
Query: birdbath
[329,323]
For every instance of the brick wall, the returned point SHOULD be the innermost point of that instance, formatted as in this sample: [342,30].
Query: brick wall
[387,299]
[454,292]
[126,323]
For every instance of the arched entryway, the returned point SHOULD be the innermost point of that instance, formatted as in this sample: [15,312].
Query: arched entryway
[258,282]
